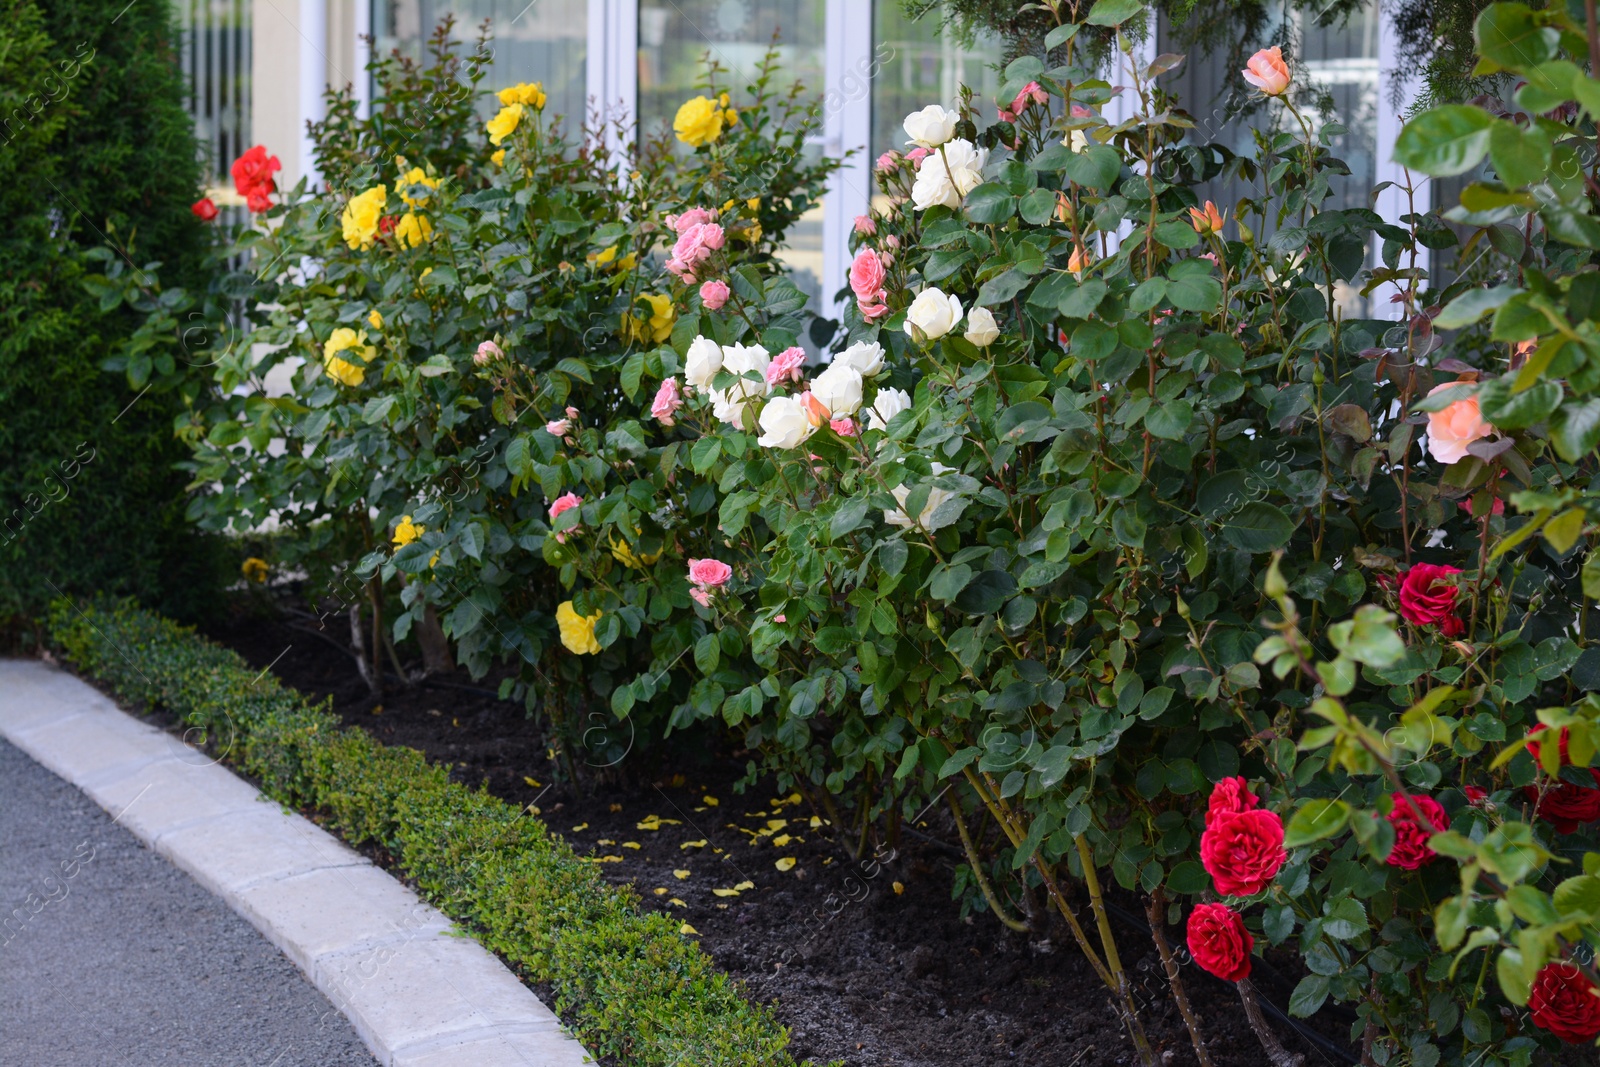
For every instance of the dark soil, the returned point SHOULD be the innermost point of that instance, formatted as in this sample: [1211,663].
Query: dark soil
[868,962]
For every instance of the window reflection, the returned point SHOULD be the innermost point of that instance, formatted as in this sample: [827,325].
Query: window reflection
[922,64]
[542,40]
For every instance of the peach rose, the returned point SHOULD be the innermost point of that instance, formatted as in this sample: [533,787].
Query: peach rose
[1450,431]
[1267,71]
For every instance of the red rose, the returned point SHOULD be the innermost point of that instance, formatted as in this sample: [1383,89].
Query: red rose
[1231,795]
[1428,598]
[1242,851]
[258,200]
[387,223]
[1564,1002]
[1410,833]
[204,209]
[252,174]
[1475,794]
[1219,942]
[1566,805]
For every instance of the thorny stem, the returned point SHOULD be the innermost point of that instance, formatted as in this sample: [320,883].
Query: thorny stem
[976,865]
[1277,1055]
[1154,911]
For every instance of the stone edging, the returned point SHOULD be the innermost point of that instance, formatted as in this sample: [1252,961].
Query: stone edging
[418,995]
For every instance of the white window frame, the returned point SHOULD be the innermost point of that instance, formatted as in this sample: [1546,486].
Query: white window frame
[1392,202]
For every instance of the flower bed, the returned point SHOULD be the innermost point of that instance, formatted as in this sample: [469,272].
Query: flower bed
[628,983]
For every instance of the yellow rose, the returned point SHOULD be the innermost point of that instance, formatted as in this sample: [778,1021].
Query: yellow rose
[504,124]
[661,316]
[254,570]
[529,94]
[406,531]
[345,338]
[629,261]
[624,554]
[344,372]
[361,215]
[499,158]
[602,258]
[577,631]
[699,122]
[754,203]
[375,318]
[416,188]
[413,230]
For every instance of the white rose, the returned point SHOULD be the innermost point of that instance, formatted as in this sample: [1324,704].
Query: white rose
[865,356]
[981,328]
[932,314]
[1077,140]
[885,406]
[729,404]
[738,359]
[839,389]
[784,423]
[947,176]
[703,362]
[936,496]
[932,126]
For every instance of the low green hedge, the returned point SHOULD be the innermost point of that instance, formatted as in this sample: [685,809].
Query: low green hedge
[626,981]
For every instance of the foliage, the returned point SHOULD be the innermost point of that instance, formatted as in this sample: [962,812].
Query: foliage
[410,484]
[628,983]
[97,148]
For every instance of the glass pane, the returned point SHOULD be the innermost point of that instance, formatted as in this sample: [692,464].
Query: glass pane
[538,41]
[925,65]
[677,38]
[1341,62]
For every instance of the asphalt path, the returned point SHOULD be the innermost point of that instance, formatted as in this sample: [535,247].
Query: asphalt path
[111,957]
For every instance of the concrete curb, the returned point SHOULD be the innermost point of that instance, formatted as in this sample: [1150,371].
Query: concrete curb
[418,995]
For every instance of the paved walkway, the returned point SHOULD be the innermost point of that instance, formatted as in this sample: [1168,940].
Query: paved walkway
[111,956]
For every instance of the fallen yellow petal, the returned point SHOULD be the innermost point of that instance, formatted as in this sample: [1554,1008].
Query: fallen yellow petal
[687,929]
[610,859]
[605,841]
[786,864]
[794,798]
[616,807]
[660,891]
[816,822]
[709,801]
[693,844]
[680,875]
[898,889]
[777,824]
[582,826]
[745,885]
[678,902]
[781,840]
[631,844]
[530,781]
[726,892]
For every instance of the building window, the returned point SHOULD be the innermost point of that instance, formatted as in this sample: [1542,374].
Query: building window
[923,63]
[539,41]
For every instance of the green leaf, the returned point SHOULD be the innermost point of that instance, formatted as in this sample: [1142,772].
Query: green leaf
[703,453]
[1170,420]
[1192,288]
[948,581]
[1510,410]
[990,203]
[1509,36]
[1258,527]
[1114,12]
[1564,530]
[1188,877]
[848,517]
[1345,919]
[1444,141]
[1520,157]
[1575,429]
[987,593]
[1316,820]
[1472,305]
[1096,167]
[1308,996]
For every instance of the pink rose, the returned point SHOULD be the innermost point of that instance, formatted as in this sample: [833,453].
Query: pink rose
[872,312]
[1081,112]
[558,427]
[669,398]
[701,597]
[917,155]
[888,162]
[1450,431]
[779,618]
[572,412]
[564,504]
[709,573]
[867,275]
[1267,71]
[891,241]
[786,366]
[1031,94]
[865,225]
[695,216]
[714,294]
[711,235]
[487,351]
[1006,116]
[845,427]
